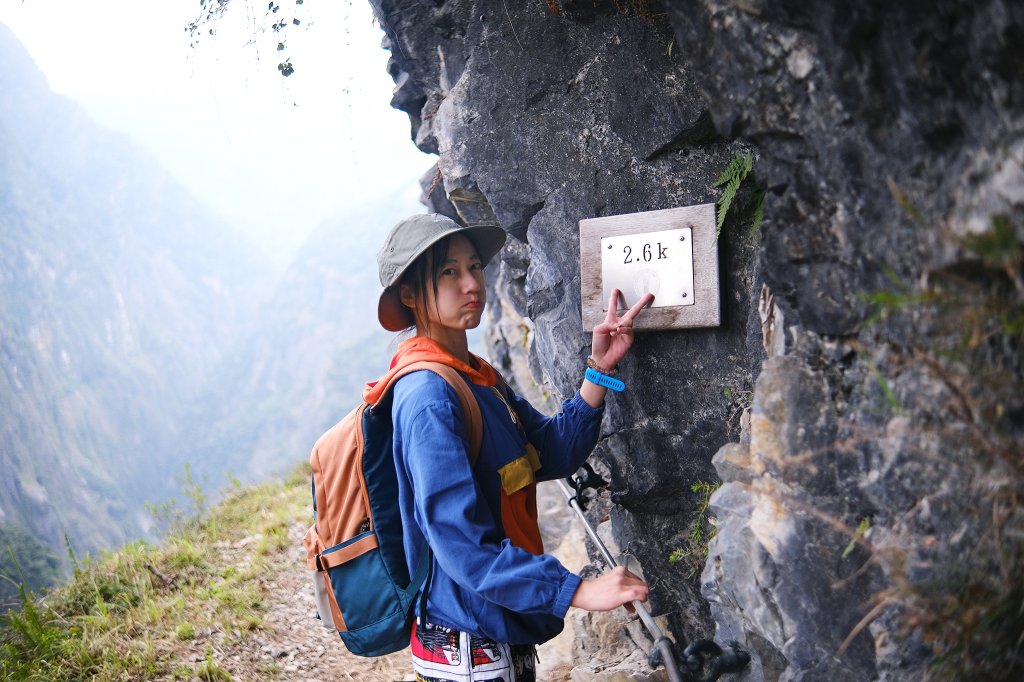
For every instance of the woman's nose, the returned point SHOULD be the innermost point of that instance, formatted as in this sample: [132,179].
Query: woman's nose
[470,281]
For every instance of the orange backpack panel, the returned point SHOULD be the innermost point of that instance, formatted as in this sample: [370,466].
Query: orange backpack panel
[354,546]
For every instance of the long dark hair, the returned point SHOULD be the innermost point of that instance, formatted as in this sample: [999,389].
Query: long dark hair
[423,273]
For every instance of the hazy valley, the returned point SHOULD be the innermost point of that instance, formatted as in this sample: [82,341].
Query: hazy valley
[143,342]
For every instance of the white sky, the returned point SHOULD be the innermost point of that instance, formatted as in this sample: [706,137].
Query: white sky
[274,156]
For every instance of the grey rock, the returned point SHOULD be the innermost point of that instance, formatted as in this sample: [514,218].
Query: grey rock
[882,134]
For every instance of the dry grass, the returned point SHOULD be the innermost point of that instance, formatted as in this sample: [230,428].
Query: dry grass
[137,613]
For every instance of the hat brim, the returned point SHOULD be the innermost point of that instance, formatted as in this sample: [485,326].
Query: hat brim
[395,316]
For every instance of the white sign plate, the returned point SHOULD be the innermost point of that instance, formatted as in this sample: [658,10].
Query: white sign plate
[659,262]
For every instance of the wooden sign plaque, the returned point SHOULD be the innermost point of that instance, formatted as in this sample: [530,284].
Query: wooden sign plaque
[672,252]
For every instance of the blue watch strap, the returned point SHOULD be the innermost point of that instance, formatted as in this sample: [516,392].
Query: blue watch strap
[604,380]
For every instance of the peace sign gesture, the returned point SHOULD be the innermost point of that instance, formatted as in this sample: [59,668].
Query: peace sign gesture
[614,336]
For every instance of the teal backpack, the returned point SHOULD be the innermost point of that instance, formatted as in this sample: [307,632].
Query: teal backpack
[354,547]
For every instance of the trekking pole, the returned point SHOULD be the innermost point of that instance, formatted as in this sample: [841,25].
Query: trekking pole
[700,654]
[663,643]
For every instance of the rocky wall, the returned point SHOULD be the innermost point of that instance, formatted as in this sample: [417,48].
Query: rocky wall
[858,444]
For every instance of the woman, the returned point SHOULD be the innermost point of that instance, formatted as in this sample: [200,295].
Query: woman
[492,593]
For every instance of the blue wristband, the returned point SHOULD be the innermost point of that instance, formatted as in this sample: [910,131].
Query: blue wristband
[596,377]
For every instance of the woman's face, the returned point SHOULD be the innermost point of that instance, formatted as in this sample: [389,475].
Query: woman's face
[458,304]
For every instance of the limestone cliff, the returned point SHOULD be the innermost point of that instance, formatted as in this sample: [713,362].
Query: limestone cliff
[861,401]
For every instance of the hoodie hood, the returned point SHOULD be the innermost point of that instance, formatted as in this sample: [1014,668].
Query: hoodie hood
[423,349]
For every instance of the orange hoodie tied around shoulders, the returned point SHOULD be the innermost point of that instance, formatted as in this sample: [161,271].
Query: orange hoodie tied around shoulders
[518,501]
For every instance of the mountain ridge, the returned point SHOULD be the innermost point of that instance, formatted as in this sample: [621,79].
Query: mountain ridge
[146,346]
[93,237]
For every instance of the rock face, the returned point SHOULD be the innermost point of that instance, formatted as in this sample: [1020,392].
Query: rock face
[860,402]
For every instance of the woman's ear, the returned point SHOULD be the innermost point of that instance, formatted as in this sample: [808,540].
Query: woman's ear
[406,296]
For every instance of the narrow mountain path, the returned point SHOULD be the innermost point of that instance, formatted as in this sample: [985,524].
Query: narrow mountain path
[292,646]
[300,646]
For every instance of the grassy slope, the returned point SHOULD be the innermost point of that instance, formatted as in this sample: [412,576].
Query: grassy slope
[133,614]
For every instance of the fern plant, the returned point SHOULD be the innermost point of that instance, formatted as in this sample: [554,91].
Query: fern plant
[731,178]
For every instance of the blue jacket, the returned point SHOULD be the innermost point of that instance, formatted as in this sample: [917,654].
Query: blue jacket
[482,584]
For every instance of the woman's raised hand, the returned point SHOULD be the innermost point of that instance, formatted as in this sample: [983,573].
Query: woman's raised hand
[614,336]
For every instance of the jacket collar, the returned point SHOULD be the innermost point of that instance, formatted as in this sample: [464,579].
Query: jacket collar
[423,349]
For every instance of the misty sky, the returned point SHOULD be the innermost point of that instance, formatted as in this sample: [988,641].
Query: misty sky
[274,156]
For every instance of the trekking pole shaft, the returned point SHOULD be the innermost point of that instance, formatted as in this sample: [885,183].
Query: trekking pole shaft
[662,642]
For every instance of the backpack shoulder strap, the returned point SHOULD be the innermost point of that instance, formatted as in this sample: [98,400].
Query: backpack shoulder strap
[474,430]
[470,408]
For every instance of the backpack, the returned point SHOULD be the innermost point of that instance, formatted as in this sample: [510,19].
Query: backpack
[354,547]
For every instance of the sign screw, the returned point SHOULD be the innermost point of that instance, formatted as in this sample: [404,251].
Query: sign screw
[609,247]
[684,294]
[682,238]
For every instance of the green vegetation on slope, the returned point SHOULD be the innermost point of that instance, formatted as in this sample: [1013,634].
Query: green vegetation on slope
[119,295]
[24,559]
[132,614]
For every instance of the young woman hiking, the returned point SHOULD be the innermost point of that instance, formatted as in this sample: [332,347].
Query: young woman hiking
[492,593]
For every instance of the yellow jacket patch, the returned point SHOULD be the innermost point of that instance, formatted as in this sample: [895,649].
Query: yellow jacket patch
[519,473]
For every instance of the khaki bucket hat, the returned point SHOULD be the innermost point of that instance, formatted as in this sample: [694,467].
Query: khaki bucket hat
[406,242]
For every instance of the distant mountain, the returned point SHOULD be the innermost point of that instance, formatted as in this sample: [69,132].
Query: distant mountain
[119,294]
[313,349]
[139,335]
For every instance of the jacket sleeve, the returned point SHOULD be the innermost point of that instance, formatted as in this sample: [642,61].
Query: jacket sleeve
[451,514]
[564,440]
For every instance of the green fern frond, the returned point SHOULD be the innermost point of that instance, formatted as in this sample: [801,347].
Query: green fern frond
[725,201]
[755,223]
[738,169]
[733,175]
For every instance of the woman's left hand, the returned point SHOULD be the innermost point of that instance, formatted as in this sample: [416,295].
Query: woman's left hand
[614,336]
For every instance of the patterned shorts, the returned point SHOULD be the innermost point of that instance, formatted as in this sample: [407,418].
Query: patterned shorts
[440,654]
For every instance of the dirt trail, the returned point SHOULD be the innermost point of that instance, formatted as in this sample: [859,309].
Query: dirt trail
[301,647]
[292,646]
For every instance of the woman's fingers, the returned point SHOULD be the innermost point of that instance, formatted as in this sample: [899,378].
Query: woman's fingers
[613,306]
[644,301]
[616,588]
[615,325]
[613,337]
[631,583]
